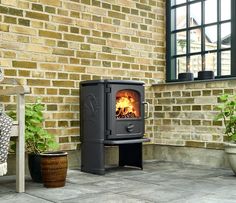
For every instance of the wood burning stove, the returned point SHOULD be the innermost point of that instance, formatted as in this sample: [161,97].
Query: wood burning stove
[111,113]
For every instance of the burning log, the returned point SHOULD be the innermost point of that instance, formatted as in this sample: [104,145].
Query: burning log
[121,113]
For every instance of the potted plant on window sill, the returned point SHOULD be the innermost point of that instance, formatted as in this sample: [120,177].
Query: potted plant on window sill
[228,114]
[40,146]
[186,76]
[205,74]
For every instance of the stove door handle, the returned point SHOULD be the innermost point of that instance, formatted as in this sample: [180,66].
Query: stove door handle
[148,110]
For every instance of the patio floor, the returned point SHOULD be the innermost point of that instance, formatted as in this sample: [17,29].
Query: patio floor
[158,182]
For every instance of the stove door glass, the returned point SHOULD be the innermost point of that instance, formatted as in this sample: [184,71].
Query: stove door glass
[127,104]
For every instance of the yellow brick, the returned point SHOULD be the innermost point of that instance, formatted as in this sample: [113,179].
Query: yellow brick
[50,42]
[51,66]
[86,24]
[50,26]
[64,107]
[72,100]
[9,2]
[22,4]
[53,100]
[50,75]
[136,74]
[50,34]
[24,73]
[37,15]
[4,27]
[24,64]
[62,20]
[73,6]
[37,24]
[52,91]
[66,52]
[85,54]
[63,60]
[63,83]
[71,37]
[37,40]
[23,30]
[38,48]
[116,44]
[63,115]
[38,82]
[105,27]
[37,74]
[38,91]
[62,12]
[143,61]
[127,3]
[78,69]
[118,72]
[97,11]
[10,72]
[99,71]
[51,2]
[9,54]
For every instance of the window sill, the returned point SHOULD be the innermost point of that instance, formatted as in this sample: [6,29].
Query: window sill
[194,81]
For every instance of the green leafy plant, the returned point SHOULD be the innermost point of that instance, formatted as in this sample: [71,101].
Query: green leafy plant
[37,139]
[227,113]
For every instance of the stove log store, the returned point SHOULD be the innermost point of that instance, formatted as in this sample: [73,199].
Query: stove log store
[111,113]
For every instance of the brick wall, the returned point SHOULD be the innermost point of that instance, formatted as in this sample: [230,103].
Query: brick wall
[51,45]
[184,113]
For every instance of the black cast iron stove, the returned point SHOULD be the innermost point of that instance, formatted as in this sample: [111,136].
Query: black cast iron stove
[111,113]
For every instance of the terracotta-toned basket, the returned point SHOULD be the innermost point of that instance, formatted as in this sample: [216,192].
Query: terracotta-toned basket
[54,169]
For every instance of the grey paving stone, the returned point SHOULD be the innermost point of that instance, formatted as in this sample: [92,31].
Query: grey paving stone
[20,198]
[5,190]
[157,194]
[63,193]
[158,182]
[107,197]
[117,185]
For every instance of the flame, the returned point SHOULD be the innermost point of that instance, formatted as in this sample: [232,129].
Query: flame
[125,106]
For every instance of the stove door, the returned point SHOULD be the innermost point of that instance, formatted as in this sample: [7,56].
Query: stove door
[125,111]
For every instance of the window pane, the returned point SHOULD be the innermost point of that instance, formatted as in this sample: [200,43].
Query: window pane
[181,17]
[225,63]
[225,9]
[211,37]
[195,64]
[195,40]
[181,65]
[210,11]
[195,14]
[181,43]
[225,35]
[174,2]
[211,62]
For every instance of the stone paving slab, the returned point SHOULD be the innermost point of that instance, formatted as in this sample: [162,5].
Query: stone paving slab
[158,182]
[108,197]
[20,198]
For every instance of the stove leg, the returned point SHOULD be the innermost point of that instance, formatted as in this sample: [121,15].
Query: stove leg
[92,158]
[131,155]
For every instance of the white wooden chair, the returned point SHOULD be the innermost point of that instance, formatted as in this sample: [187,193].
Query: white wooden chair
[19,132]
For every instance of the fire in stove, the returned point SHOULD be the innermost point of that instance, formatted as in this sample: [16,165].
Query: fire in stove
[127,104]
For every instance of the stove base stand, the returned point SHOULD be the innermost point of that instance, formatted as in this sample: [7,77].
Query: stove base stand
[92,155]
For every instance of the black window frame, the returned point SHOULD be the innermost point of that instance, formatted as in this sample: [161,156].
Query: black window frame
[170,47]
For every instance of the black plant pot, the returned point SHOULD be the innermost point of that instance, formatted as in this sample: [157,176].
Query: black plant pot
[206,74]
[185,76]
[34,164]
